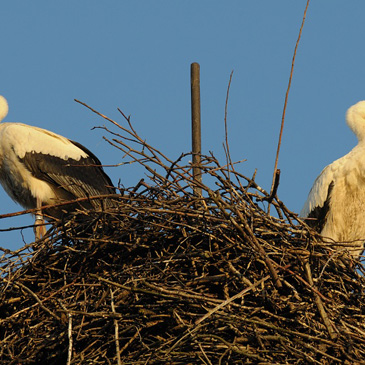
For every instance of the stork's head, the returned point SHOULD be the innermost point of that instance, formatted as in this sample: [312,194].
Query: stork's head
[3,108]
[355,118]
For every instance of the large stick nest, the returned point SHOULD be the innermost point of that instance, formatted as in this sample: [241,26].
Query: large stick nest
[178,277]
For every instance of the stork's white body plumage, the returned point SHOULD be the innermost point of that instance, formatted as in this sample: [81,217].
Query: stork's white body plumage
[39,167]
[336,201]
[16,141]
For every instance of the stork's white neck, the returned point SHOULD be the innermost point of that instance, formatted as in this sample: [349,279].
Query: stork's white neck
[3,108]
[355,118]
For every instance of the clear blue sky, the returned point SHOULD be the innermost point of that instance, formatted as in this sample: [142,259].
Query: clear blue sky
[136,55]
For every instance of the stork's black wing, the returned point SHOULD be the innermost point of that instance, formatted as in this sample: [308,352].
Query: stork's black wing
[318,216]
[80,178]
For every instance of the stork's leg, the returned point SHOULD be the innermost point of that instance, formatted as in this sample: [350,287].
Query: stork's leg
[39,229]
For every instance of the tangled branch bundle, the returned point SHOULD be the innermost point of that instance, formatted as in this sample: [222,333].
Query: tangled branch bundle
[168,276]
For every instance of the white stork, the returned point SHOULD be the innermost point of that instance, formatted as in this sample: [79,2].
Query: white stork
[39,167]
[337,198]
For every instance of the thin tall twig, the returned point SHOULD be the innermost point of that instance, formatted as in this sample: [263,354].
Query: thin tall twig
[226,147]
[286,98]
